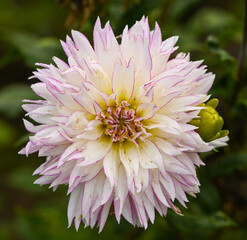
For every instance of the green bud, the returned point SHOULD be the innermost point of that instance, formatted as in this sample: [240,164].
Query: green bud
[213,103]
[209,123]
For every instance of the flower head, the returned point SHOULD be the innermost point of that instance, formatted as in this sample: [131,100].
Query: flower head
[114,124]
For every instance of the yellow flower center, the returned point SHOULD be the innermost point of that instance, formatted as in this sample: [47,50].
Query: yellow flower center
[121,123]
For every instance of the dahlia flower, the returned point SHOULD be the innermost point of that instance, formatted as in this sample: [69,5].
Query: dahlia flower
[114,124]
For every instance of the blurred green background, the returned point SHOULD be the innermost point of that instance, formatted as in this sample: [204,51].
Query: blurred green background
[210,30]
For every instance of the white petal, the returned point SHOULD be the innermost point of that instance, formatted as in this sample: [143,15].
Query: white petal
[175,166]
[93,131]
[129,157]
[146,110]
[83,45]
[168,185]
[111,163]
[74,209]
[77,121]
[107,192]
[127,211]
[150,156]
[165,146]
[106,46]
[61,64]
[143,71]
[123,79]
[92,171]
[88,197]
[137,48]
[96,150]
[138,201]
[149,208]
[159,193]
[220,142]
[164,123]
[97,75]
[141,180]
[104,214]
[121,191]
[41,90]
[74,75]
[30,127]
[64,99]
[89,94]
[45,180]
[67,153]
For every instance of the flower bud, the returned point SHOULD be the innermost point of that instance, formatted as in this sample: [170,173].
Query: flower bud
[210,122]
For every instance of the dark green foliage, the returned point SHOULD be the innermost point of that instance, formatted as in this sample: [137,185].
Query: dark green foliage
[11,97]
[230,163]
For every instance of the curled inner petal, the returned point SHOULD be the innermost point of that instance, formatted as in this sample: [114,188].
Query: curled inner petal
[121,123]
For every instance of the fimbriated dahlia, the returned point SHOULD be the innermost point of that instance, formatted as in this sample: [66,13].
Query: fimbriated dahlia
[114,124]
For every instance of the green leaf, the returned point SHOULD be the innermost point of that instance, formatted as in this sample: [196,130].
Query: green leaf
[22,179]
[229,164]
[242,101]
[22,140]
[208,197]
[236,234]
[190,223]
[35,16]
[7,134]
[180,8]
[222,23]
[11,98]
[136,11]
[35,49]
[240,108]
[5,232]
[214,46]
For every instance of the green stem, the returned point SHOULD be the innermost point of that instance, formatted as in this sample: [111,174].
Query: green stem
[241,60]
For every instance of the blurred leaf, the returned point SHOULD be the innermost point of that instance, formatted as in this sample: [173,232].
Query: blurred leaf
[35,49]
[229,164]
[34,16]
[22,179]
[240,108]
[217,21]
[7,134]
[198,222]
[214,46]
[150,5]
[236,234]
[50,223]
[243,102]
[209,196]
[179,8]
[9,57]
[5,232]
[137,11]
[23,140]
[11,98]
